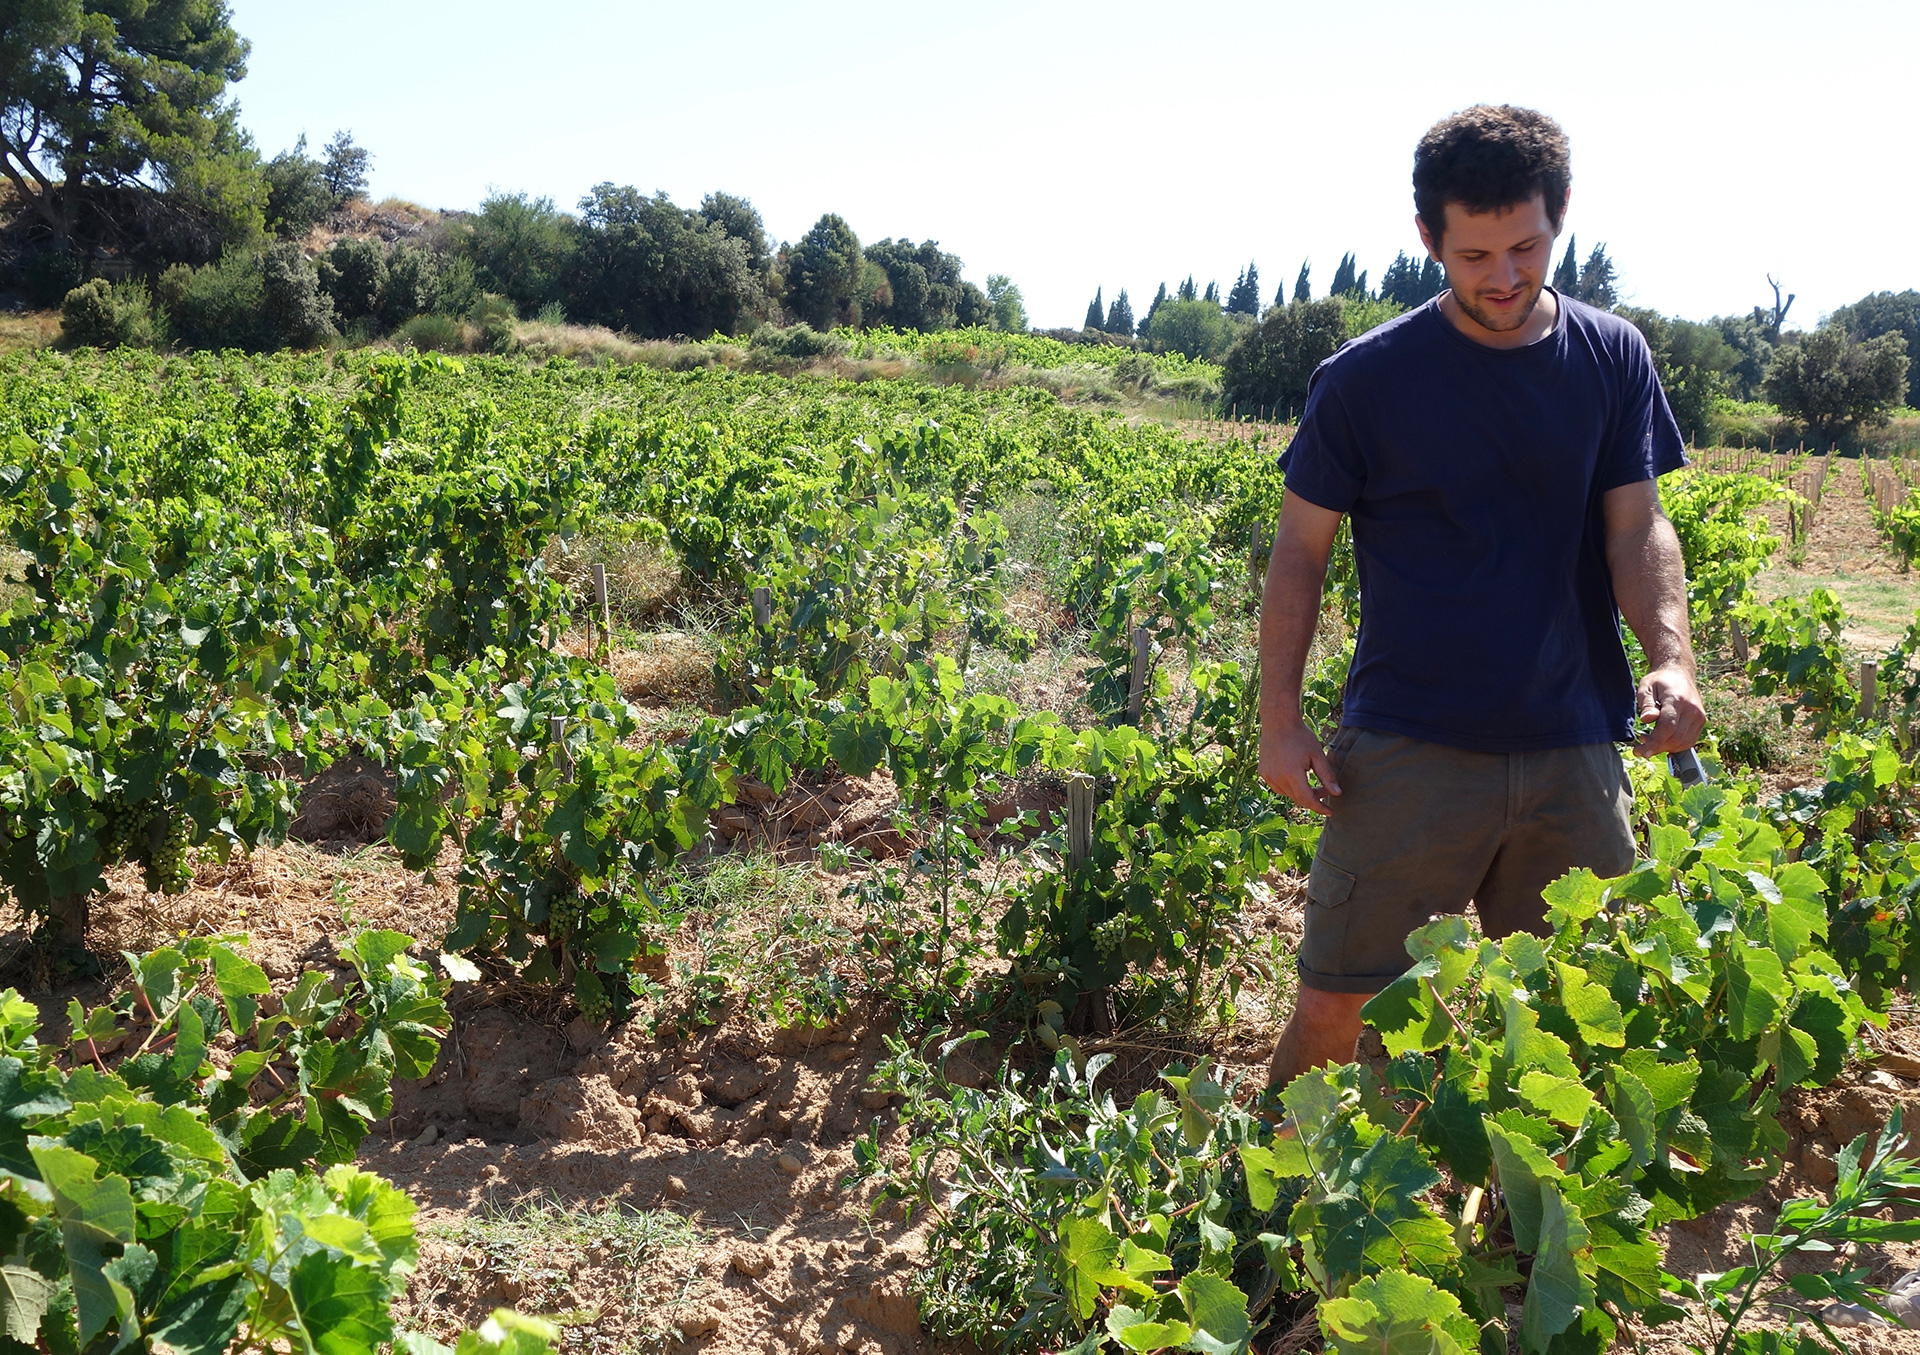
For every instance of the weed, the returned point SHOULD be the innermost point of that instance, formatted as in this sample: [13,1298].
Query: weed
[534,1245]
[762,941]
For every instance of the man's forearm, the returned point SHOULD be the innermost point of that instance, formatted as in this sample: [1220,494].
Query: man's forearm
[1289,614]
[1650,586]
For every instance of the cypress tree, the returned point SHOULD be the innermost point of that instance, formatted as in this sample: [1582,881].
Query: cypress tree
[1566,278]
[1187,292]
[1159,300]
[1344,277]
[1120,317]
[1401,280]
[1433,281]
[1598,279]
[1212,293]
[1244,299]
[1096,313]
[1302,288]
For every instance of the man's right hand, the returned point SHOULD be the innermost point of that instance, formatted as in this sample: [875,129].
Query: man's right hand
[1288,752]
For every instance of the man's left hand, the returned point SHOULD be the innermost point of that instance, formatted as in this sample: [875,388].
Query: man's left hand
[1670,702]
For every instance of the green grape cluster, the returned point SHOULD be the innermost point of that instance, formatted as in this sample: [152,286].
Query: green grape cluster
[168,870]
[562,913]
[150,833]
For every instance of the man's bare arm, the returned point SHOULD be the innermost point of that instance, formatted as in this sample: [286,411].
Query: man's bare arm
[1650,584]
[1289,612]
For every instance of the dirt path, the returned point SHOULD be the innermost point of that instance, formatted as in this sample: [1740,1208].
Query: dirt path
[1846,553]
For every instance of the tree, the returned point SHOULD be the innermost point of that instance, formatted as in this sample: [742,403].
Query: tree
[1566,278]
[971,306]
[1271,363]
[106,98]
[298,198]
[1187,290]
[1884,313]
[824,272]
[1302,285]
[1433,279]
[346,168]
[1096,313]
[1244,299]
[1346,281]
[353,274]
[740,219]
[923,285]
[1159,300]
[1746,336]
[1120,316]
[520,247]
[1404,282]
[1212,293]
[646,266]
[1198,329]
[1009,307]
[1693,362]
[1599,280]
[1835,385]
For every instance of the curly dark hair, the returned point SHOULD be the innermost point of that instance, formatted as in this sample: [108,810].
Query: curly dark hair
[1488,157]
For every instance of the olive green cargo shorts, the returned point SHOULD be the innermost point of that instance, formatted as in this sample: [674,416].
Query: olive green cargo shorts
[1420,828]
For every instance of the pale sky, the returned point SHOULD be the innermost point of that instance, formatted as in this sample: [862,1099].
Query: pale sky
[1074,145]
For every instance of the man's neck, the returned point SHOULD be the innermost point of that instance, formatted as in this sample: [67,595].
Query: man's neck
[1546,313]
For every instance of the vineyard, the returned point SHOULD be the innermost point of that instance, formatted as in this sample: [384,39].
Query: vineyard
[514,855]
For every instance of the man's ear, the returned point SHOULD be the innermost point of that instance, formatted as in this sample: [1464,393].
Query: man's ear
[1426,238]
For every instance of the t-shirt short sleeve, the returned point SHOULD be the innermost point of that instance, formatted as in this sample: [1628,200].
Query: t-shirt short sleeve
[1644,442]
[1323,463]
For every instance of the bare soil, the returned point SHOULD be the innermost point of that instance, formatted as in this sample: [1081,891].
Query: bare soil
[740,1133]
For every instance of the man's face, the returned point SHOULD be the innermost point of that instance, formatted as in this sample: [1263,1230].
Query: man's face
[1496,262]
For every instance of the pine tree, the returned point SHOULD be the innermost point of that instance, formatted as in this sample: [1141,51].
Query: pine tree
[1433,281]
[1302,288]
[1186,292]
[1599,280]
[1244,299]
[1566,278]
[1120,317]
[1212,293]
[1096,313]
[1344,277]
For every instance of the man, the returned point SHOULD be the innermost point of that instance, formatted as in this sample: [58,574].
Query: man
[1496,450]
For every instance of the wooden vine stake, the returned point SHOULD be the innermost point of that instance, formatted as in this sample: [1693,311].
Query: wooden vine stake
[1079,820]
[1137,683]
[557,735]
[602,609]
[1739,638]
[1258,547]
[1869,688]
[762,608]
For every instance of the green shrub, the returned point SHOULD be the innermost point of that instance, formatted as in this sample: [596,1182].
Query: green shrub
[99,315]
[215,306]
[258,301]
[1271,363]
[294,312]
[413,287]
[434,334]
[1195,329]
[353,274]
[799,342]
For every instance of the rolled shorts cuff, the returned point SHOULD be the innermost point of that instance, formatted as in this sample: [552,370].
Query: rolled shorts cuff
[1346,983]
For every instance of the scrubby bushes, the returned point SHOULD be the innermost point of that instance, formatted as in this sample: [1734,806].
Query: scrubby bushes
[256,302]
[99,314]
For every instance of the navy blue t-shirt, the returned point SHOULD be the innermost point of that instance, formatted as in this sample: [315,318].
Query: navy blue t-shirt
[1473,477]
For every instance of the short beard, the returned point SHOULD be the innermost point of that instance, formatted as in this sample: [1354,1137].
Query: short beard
[1487,322]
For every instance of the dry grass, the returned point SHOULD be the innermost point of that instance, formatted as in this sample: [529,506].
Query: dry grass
[643,574]
[28,329]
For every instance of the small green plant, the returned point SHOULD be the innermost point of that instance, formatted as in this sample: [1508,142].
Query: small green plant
[1870,1181]
[533,1245]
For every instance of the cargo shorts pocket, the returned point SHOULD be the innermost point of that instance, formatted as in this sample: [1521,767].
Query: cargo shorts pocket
[1323,940]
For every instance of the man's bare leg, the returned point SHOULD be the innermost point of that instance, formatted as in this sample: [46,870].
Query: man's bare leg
[1324,1029]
